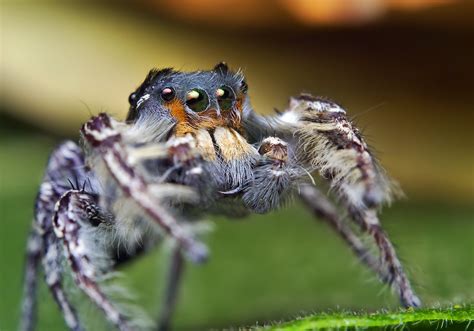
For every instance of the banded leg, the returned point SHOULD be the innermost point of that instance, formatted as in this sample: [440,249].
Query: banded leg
[33,258]
[71,210]
[278,173]
[323,209]
[44,208]
[369,223]
[327,141]
[53,274]
[101,135]
[175,273]
[66,162]
[331,144]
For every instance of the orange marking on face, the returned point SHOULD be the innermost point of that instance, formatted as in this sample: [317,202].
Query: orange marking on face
[178,112]
[176,109]
[208,119]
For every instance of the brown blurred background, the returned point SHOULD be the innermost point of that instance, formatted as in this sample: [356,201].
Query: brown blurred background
[403,69]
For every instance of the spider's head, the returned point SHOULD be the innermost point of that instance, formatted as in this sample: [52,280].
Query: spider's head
[192,100]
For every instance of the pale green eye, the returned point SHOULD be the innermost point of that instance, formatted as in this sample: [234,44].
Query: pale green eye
[225,97]
[197,100]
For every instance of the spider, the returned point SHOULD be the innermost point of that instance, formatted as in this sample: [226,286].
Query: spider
[191,146]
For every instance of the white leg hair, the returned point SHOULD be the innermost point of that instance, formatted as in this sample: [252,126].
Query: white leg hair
[65,163]
[101,135]
[67,225]
[326,141]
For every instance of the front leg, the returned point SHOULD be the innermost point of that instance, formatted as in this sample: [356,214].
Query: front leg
[65,163]
[103,137]
[273,181]
[327,142]
[53,275]
[330,143]
[72,209]
[323,209]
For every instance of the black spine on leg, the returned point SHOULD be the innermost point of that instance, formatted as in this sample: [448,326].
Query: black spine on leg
[65,163]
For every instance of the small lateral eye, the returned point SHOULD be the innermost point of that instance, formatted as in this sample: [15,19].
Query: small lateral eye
[244,87]
[132,98]
[197,100]
[168,93]
[225,97]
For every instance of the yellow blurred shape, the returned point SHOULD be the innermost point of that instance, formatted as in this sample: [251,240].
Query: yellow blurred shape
[60,60]
[284,12]
[212,12]
[340,11]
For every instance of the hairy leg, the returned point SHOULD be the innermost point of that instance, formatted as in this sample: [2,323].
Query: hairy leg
[53,274]
[175,273]
[369,223]
[326,141]
[336,148]
[102,136]
[71,210]
[33,257]
[272,184]
[65,163]
[323,209]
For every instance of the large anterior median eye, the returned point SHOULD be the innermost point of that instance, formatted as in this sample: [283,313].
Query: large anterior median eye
[225,97]
[197,100]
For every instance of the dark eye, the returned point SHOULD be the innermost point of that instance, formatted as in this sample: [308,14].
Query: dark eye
[132,98]
[225,97]
[244,87]
[168,93]
[197,100]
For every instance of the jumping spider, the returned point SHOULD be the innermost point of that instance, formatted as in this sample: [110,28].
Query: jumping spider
[192,145]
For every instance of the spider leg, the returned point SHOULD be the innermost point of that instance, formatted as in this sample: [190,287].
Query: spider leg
[52,269]
[328,142]
[66,161]
[323,209]
[273,184]
[33,257]
[71,210]
[389,269]
[175,273]
[101,135]
[396,277]
[335,147]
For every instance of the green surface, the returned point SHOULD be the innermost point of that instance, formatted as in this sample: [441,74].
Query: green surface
[456,317]
[263,269]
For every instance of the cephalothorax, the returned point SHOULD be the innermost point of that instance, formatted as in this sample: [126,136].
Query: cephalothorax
[192,146]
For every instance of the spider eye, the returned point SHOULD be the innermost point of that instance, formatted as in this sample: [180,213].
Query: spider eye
[244,87]
[197,100]
[168,93]
[225,97]
[132,98]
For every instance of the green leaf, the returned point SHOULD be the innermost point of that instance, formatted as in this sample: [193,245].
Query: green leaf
[435,318]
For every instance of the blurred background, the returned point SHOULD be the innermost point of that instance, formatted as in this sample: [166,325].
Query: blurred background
[402,68]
